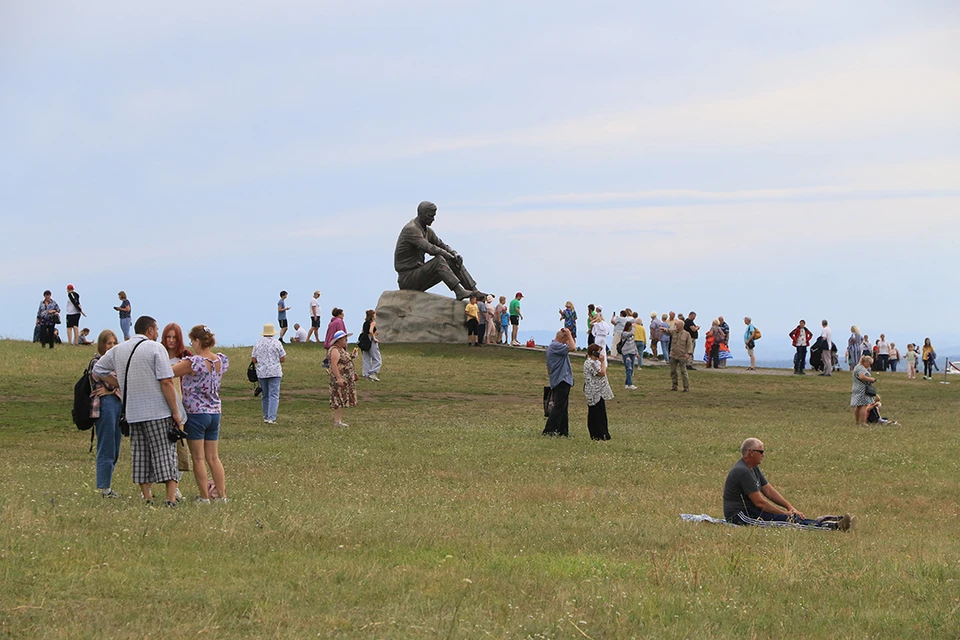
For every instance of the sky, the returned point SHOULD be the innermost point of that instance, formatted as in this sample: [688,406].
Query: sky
[781,160]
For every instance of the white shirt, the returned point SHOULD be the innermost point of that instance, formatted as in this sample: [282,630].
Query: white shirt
[72,309]
[600,331]
[827,335]
[300,335]
[884,348]
[314,307]
[150,365]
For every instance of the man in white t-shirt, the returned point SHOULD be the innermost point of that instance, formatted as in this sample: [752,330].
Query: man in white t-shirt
[299,333]
[883,351]
[619,320]
[826,354]
[314,317]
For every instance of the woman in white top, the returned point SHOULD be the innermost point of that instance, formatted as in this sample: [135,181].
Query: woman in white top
[893,357]
[600,331]
[883,350]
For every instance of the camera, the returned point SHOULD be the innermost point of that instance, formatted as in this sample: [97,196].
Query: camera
[176,433]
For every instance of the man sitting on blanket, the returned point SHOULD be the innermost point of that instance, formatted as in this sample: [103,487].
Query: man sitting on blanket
[748,499]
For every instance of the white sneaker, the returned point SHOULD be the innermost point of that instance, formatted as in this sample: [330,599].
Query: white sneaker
[374,377]
[270,421]
[631,387]
[177,494]
[109,493]
[200,500]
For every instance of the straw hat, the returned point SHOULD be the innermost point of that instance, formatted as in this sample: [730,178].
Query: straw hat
[268,330]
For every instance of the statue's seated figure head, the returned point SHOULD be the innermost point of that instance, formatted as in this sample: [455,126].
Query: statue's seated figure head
[426,212]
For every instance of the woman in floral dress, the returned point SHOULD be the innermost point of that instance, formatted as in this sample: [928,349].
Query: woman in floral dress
[343,377]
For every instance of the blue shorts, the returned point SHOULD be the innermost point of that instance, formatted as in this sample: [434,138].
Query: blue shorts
[203,426]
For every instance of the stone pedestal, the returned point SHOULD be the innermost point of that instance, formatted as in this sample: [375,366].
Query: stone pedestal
[414,316]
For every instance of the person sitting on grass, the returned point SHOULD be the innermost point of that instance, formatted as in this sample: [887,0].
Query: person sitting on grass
[84,336]
[748,499]
[299,333]
[874,417]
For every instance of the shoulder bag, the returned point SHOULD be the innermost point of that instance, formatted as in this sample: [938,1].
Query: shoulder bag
[124,426]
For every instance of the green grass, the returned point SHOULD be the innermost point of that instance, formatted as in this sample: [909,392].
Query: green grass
[442,513]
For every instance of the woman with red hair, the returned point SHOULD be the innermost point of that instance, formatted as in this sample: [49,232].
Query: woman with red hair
[176,351]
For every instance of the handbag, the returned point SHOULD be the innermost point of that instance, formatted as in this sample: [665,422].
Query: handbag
[547,401]
[252,373]
[124,426]
[756,334]
[183,456]
[869,389]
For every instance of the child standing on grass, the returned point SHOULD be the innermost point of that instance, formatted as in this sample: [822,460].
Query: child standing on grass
[504,320]
[911,361]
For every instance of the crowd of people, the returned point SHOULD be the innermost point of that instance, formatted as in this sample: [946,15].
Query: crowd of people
[167,398]
[489,323]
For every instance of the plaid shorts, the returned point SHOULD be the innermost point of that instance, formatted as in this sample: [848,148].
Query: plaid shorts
[154,456]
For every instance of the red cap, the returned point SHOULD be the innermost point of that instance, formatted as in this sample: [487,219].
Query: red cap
[69,287]
[519,295]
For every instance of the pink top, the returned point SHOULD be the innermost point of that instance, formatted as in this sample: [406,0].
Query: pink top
[336,324]
[201,391]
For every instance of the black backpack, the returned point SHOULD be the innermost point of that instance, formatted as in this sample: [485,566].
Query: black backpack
[81,405]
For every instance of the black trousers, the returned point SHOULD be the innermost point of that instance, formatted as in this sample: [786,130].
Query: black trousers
[597,421]
[46,335]
[558,422]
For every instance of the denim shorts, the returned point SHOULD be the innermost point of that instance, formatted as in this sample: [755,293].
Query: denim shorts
[203,426]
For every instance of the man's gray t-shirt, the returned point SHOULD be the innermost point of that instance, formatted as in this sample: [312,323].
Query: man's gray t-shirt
[150,365]
[740,483]
[558,363]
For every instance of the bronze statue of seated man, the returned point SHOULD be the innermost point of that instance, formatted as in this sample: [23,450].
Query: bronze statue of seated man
[414,273]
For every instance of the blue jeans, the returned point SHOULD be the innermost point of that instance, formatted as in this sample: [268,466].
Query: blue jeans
[893,365]
[751,515]
[800,359]
[665,348]
[270,397]
[628,361]
[108,440]
[640,347]
[125,328]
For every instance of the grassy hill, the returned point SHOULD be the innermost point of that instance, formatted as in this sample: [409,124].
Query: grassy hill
[441,511]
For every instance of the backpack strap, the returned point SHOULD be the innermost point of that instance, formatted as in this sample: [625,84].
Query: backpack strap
[126,372]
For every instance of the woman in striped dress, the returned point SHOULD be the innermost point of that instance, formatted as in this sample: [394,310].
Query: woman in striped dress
[854,347]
